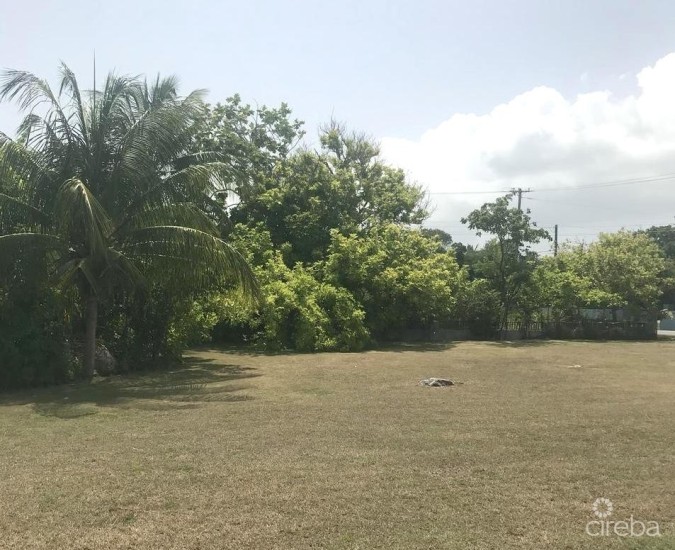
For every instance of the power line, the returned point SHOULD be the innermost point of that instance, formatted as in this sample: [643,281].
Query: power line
[615,183]
[649,223]
[496,192]
[634,225]
[600,185]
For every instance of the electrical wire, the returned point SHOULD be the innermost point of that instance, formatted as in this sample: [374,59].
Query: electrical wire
[600,185]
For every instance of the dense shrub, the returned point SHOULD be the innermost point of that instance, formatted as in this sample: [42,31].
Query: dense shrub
[296,312]
[303,314]
[478,306]
[154,327]
[402,278]
[35,340]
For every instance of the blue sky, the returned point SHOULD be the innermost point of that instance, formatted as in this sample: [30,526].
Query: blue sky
[397,70]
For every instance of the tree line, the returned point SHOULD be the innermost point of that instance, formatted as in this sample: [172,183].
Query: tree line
[135,218]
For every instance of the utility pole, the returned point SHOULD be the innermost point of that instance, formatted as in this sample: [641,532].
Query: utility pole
[555,241]
[520,192]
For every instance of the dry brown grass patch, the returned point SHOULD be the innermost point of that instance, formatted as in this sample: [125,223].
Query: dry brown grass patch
[347,451]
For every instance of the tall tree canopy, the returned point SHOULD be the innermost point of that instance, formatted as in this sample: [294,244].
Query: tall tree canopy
[664,236]
[344,186]
[507,261]
[251,140]
[103,184]
[619,270]
[625,264]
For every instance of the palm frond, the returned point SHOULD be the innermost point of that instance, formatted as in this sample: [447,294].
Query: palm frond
[29,92]
[201,157]
[120,265]
[163,90]
[117,102]
[31,123]
[192,255]
[25,88]
[197,180]
[67,274]
[18,244]
[184,214]
[192,184]
[150,141]
[69,83]
[118,269]
[81,217]
[11,206]
[195,100]
[162,130]
[41,135]
[18,161]
[148,146]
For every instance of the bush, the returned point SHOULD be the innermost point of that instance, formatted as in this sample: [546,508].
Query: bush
[402,278]
[479,306]
[296,312]
[35,341]
[304,314]
[155,327]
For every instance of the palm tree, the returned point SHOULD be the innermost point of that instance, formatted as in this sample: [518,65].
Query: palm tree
[101,183]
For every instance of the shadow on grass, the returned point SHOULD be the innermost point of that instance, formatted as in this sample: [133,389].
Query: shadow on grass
[443,346]
[396,347]
[195,383]
[534,343]
[400,347]
[246,351]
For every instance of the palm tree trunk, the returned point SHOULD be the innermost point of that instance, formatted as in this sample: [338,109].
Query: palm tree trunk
[90,319]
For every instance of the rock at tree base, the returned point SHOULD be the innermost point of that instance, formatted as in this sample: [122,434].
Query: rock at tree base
[105,364]
[436,382]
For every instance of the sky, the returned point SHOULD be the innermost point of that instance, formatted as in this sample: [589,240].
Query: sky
[467,97]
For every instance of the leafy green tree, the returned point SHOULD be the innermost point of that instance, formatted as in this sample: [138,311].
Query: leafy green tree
[296,310]
[403,278]
[507,260]
[101,184]
[34,328]
[301,313]
[664,236]
[625,264]
[466,255]
[443,237]
[619,270]
[477,305]
[344,186]
[563,285]
[250,141]
[382,193]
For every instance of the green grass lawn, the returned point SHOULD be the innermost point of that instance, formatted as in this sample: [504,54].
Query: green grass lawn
[347,451]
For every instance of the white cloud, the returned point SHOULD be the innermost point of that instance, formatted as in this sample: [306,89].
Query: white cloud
[543,140]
